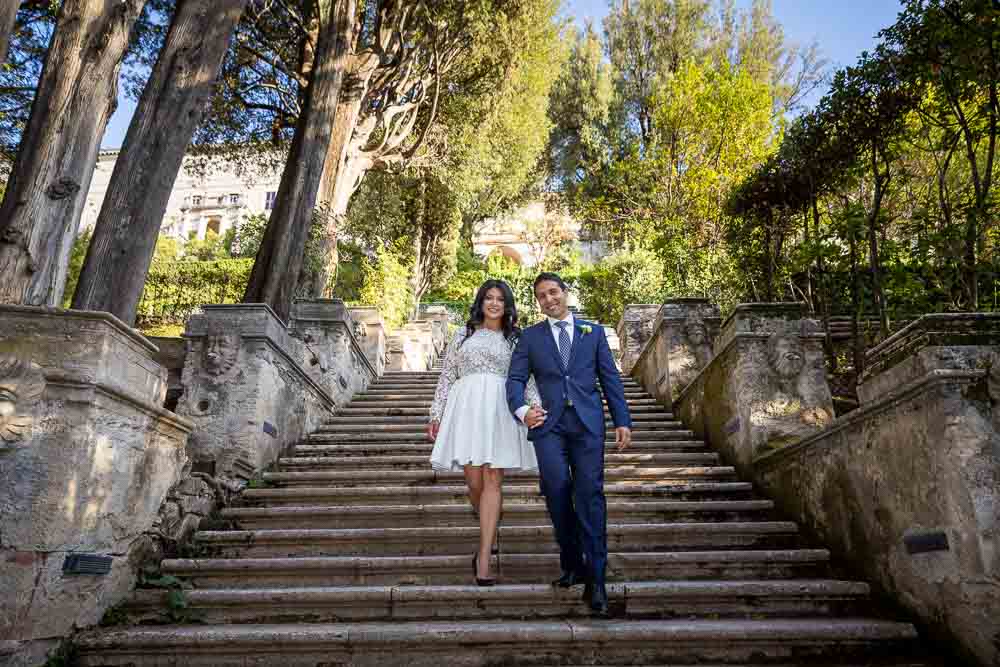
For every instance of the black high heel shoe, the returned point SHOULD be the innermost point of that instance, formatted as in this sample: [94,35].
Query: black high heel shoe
[475,573]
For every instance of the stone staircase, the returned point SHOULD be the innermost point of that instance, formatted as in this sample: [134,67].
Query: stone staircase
[354,552]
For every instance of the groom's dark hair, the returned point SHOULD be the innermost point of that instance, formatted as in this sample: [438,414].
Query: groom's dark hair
[548,275]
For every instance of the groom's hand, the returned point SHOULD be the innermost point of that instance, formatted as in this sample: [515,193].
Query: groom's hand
[623,437]
[535,417]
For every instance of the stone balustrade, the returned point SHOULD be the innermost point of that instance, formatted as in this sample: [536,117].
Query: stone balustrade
[88,456]
[905,489]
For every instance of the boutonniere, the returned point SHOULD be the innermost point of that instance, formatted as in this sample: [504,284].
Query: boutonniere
[586,329]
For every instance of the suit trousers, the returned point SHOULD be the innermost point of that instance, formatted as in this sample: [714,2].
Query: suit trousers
[571,467]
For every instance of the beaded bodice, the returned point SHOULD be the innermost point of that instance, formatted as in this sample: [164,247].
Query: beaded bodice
[485,351]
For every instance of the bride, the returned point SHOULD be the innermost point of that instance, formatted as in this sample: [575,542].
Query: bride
[470,424]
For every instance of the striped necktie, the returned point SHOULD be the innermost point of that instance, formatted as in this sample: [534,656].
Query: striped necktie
[564,344]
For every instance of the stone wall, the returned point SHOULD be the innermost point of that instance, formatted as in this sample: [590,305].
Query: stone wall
[87,458]
[253,387]
[634,329]
[369,330]
[416,345]
[909,484]
[905,489]
[764,389]
[679,347]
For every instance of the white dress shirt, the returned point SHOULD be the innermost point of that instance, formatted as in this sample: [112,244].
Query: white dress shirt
[523,410]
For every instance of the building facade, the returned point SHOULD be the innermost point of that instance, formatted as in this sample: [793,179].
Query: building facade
[215,196]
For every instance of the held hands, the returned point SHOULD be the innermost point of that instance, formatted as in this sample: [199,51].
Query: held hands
[623,438]
[432,430]
[535,417]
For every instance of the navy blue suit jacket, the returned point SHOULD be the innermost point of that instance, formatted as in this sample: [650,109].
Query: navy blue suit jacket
[590,363]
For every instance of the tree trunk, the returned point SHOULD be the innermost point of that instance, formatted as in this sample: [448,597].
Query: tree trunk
[823,294]
[275,273]
[881,183]
[856,307]
[77,93]
[769,258]
[8,15]
[335,192]
[168,114]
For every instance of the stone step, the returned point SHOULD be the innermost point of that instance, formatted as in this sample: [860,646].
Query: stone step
[427,394]
[422,408]
[384,494]
[482,643]
[404,462]
[420,419]
[515,539]
[388,516]
[427,397]
[322,435]
[517,568]
[417,425]
[430,384]
[647,599]
[622,473]
[424,447]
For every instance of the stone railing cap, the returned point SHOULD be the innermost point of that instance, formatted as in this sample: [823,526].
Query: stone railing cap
[797,308]
[108,318]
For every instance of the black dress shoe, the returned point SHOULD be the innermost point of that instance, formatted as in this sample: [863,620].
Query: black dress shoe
[569,579]
[598,599]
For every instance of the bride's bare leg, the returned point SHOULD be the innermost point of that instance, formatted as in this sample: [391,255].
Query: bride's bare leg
[490,503]
[474,480]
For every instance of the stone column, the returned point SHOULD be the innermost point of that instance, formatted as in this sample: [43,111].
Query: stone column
[681,345]
[329,350]
[247,390]
[438,318]
[765,388]
[369,330]
[634,329]
[87,457]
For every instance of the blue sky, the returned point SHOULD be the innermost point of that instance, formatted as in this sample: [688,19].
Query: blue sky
[842,29]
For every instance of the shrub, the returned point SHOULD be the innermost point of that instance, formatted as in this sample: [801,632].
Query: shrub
[385,284]
[621,279]
[176,289]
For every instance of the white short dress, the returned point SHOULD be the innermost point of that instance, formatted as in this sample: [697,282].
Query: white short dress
[470,403]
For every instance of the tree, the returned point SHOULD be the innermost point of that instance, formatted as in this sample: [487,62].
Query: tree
[8,15]
[169,110]
[45,193]
[279,260]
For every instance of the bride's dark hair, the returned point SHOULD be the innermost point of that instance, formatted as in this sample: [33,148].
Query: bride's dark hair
[476,315]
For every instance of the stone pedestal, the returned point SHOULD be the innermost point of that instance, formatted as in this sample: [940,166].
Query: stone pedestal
[681,345]
[247,390]
[634,329]
[765,388]
[87,457]
[369,330]
[416,345]
[907,487]
[439,318]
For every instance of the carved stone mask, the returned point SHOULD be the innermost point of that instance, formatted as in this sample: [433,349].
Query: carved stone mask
[786,356]
[220,352]
[21,386]
[695,332]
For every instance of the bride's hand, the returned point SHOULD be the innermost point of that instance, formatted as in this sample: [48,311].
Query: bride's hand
[535,417]
[432,430]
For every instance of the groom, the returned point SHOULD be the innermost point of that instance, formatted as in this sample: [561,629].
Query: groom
[568,358]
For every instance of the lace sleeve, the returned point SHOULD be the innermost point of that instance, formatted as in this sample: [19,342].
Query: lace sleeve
[449,374]
[531,395]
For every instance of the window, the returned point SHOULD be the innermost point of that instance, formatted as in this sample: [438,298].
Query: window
[214,224]
[196,200]
[269,203]
[234,199]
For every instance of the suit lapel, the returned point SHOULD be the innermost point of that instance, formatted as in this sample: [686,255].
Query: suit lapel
[550,341]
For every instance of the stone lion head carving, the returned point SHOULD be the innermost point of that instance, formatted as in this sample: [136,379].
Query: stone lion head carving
[786,356]
[21,387]
[219,353]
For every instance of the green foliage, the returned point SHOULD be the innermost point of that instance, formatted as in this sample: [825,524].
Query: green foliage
[176,289]
[621,279]
[209,249]
[76,257]
[114,616]
[385,285]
